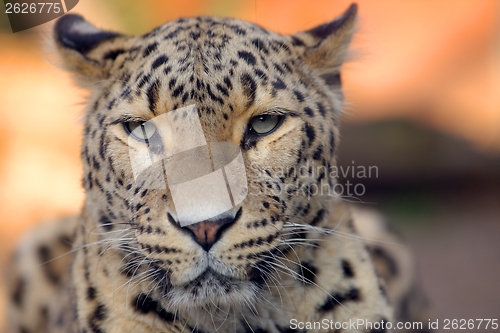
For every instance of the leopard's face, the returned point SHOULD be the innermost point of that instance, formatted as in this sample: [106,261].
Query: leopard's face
[269,97]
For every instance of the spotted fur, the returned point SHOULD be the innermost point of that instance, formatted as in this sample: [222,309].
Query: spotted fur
[286,254]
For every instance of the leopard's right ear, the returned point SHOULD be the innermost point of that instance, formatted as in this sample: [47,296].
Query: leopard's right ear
[86,51]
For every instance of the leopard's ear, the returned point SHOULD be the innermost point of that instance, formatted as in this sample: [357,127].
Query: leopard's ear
[86,51]
[326,45]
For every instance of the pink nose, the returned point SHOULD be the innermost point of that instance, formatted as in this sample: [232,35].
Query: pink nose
[205,233]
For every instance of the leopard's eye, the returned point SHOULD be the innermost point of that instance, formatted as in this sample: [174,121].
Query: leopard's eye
[265,124]
[141,131]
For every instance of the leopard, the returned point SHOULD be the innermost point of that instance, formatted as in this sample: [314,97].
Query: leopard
[260,250]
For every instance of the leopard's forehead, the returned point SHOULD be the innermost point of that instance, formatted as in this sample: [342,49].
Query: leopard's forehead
[208,48]
[214,36]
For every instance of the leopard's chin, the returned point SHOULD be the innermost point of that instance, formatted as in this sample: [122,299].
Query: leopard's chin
[211,288]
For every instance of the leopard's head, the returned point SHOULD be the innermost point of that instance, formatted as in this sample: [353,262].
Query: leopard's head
[207,147]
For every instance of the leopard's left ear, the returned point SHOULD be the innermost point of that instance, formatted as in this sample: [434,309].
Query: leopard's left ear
[326,45]
[86,51]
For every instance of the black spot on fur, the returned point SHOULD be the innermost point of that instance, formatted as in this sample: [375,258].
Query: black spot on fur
[194,35]
[99,313]
[297,41]
[149,49]
[318,153]
[91,293]
[336,299]
[178,90]
[310,132]
[319,216]
[309,111]
[298,95]
[249,88]
[238,30]
[347,269]
[278,84]
[144,80]
[228,83]
[106,222]
[259,44]
[213,96]
[332,142]
[308,273]
[321,109]
[161,60]
[153,95]
[247,56]
[17,295]
[145,304]
[222,89]
[113,54]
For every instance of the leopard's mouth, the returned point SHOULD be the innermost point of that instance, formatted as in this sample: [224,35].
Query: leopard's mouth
[211,288]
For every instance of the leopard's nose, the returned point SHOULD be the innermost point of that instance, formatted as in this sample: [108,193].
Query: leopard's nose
[207,233]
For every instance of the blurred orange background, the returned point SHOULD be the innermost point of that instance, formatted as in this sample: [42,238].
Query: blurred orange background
[435,63]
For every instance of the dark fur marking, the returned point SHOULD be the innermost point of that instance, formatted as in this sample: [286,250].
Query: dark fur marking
[309,111]
[161,60]
[228,83]
[297,41]
[249,88]
[17,295]
[332,142]
[318,153]
[113,54]
[91,293]
[248,57]
[178,90]
[149,49]
[278,84]
[44,256]
[259,44]
[194,35]
[145,304]
[321,109]
[106,222]
[298,95]
[238,30]
[99,314]
[319,216]
[222,89]
[308,273]
[153,95]
[336,299]
[347,269]
[213,96]
[310,132]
